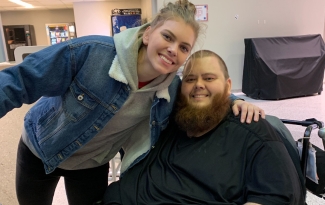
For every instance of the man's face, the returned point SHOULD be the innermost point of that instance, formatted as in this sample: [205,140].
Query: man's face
[203,81]
[204,99]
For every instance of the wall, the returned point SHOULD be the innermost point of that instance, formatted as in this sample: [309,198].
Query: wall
[147,9]
[98,22]
[86,22]
[3,52]
[225,35]
[38,19]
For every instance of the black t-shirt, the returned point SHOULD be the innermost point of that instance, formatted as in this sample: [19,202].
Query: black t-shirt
[232,164]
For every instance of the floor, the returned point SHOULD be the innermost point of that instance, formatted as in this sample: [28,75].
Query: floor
[295,109]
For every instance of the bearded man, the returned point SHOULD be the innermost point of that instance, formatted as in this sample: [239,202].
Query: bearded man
[207,156]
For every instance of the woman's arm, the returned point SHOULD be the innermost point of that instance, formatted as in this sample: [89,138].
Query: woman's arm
[248,110]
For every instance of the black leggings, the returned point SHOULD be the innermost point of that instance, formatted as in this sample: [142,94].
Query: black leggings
[34,187]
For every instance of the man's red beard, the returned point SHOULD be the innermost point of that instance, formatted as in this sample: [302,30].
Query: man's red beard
[197,119]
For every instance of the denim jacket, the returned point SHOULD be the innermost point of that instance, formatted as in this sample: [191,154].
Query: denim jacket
[76,97]
[77,101]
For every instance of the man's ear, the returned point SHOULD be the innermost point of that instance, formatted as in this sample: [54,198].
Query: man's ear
[146,35]
[228,82]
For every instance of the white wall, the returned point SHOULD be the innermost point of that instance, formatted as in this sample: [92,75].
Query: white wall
[146,9]
[90,18]
[3,52]
[225,35]
[98,21]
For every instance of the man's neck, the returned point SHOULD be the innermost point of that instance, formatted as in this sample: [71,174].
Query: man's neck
[198,134]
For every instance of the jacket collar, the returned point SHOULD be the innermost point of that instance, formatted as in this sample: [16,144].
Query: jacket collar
[117,74]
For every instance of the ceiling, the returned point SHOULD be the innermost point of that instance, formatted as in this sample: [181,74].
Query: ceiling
[6,5]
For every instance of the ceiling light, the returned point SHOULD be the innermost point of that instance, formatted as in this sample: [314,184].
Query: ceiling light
[24,4]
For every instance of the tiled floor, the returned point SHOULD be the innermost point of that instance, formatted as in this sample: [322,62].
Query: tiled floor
[294,109]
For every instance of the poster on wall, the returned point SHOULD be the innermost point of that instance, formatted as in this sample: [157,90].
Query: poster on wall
[122,22]
[122,19]
[201,12]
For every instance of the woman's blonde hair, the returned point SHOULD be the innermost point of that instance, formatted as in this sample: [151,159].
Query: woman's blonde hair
[181,9]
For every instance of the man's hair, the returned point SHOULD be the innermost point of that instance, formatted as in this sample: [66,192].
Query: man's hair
[206,53]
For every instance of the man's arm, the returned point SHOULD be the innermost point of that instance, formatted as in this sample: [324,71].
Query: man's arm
[273,177]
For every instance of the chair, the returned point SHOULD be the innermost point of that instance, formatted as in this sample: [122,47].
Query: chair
[301,162]
[115,166]
[22,51]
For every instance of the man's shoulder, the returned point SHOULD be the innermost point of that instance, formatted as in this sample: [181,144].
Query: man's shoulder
[253,125]
[261,129]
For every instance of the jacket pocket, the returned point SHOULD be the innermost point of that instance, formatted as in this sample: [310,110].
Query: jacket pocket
[78,103]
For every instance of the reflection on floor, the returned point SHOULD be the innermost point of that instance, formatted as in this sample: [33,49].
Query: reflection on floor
[294,108]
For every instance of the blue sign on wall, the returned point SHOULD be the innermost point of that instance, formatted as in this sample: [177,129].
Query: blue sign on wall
[122,22]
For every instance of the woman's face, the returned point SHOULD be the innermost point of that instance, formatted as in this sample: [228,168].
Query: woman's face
[168,45]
